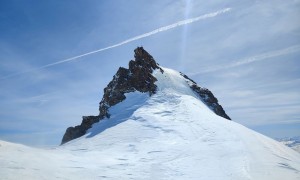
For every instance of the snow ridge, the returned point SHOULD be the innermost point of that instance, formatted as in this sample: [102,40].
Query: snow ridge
[170,135]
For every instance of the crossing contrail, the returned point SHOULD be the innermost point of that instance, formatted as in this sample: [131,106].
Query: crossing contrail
[161,29]
[259,57]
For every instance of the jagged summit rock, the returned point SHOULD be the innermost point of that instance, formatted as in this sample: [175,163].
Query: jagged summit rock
[138,77]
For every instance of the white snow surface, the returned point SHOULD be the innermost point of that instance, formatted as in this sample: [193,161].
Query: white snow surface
[170,135]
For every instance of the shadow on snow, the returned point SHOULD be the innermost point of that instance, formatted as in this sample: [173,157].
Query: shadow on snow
[120,112]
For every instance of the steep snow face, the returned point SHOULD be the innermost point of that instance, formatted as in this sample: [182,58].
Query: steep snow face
[172,80]
[179,82]
[170,135]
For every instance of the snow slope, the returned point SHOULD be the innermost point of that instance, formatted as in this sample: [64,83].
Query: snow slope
[170,135]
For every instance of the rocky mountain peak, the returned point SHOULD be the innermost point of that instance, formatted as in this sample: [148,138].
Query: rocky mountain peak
[138,77]
[144,59]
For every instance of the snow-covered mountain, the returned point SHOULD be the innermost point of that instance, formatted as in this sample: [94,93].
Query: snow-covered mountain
[166,127]
[293,142]
[141,76]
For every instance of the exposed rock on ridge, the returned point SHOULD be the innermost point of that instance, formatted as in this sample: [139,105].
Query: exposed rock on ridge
[207,97]
[137,78]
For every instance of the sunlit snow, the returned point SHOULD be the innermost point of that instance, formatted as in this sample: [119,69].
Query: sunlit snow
[170,135]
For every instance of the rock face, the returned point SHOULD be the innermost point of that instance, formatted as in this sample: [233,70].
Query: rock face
[80,130]
[138,77]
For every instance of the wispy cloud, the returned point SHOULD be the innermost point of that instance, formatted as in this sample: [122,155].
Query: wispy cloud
[260,57]
[161,29]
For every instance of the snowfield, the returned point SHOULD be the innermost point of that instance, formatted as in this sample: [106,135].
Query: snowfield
[170,135]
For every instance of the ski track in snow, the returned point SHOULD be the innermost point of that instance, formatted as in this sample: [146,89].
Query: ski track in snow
[171,135]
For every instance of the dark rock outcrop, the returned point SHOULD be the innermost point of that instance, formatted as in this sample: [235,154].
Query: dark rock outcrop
[80,130]
[207,97]
[137,78]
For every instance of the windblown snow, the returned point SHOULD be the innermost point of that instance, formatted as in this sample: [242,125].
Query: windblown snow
[170,135]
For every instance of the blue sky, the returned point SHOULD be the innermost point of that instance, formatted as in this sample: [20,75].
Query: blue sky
[248,57]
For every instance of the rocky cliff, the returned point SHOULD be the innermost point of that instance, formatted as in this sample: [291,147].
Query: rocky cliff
[137,78]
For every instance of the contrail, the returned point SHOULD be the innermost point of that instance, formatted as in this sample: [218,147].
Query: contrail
[161,29]
[260,57]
